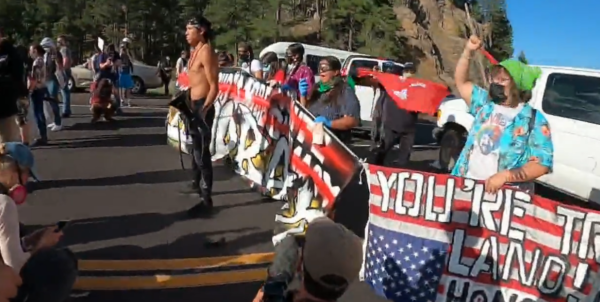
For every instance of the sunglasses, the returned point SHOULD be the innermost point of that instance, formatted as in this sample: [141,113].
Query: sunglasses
[324,68]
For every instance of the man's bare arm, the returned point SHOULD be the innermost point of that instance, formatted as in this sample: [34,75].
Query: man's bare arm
[211,68]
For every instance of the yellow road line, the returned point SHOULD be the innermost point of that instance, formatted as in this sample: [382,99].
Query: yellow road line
[167,281]
[173,264]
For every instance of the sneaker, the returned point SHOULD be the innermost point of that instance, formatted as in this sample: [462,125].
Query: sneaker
[51,125]
[56,128]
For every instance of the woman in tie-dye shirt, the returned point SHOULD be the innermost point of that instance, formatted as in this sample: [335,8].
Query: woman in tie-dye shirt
[509,142]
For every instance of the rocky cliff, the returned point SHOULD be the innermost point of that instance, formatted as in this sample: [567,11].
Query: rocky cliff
[433,31]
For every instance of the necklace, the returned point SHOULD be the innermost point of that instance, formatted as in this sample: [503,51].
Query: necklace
[193,57]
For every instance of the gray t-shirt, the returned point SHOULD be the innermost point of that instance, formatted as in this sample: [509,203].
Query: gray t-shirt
[484,158]
[66,53]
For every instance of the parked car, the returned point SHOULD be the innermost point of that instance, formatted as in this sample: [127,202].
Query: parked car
[144,77]
[569,98]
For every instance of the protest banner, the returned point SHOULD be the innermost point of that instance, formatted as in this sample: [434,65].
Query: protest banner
[433,237]
[268,138]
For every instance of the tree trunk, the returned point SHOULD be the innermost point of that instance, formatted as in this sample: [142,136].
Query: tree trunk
[350,34]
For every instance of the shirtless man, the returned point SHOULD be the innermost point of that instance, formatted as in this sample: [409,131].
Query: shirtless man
[203,74]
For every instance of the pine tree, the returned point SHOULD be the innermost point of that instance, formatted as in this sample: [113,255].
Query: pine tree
[501,44]
[522,57]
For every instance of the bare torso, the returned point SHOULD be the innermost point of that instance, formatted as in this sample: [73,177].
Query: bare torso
[199,86]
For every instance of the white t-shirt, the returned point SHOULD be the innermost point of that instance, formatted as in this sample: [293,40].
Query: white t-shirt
[484,158]
[255,66]
[180,65]
[10,242]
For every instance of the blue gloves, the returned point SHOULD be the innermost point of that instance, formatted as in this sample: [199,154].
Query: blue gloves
[286,88]
[303,87]
[324,121]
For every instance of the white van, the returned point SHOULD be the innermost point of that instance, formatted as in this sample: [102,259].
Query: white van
[312,54]
[366,94]
[350,62]
[570,99]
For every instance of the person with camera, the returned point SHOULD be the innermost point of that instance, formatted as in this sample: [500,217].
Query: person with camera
[48,273]
[331,258]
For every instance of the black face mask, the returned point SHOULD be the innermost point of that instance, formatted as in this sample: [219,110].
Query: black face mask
[497,93]
[245,58]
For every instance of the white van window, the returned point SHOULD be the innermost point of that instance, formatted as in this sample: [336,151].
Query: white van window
[573,96]
[313,62]
[358,63]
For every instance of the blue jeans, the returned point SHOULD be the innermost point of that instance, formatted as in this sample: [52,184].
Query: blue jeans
[53,90]
[37,102]
[66,94]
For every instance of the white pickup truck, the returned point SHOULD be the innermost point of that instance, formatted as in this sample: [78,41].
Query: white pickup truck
[569,98]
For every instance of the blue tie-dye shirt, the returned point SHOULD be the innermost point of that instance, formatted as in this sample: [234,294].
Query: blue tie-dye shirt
[517,144]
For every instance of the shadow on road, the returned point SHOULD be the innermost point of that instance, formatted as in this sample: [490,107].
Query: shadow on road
[221,173]
[130,140]
[139,121]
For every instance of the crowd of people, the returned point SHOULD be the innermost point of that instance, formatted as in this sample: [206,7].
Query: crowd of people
[329,255]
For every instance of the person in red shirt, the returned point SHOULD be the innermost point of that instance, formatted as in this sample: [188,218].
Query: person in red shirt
[101,101]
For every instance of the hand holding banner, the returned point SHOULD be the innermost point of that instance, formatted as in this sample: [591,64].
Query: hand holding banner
[435,237]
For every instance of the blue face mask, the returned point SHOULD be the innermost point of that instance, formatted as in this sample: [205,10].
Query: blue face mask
[266,68]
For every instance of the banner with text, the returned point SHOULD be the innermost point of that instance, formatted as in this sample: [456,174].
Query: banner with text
[268,138]
[433,237]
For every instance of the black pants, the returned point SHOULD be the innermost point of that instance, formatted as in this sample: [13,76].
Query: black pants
[390,138]
[200,130]
[48,276]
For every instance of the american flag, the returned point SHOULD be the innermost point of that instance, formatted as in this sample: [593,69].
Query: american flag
[407,258]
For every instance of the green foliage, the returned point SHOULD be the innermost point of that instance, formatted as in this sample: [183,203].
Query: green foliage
[366,26]
[157,27]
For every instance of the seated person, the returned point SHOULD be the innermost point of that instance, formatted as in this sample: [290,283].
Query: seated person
[102,104]
[48,273]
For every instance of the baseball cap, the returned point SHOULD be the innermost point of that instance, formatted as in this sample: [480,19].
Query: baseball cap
[22,155]
[47,43]
[330,249]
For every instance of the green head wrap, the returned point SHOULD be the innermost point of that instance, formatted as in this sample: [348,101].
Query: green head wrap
[522,74]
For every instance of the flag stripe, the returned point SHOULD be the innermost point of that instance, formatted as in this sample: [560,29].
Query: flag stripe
[470,250]
[390,233]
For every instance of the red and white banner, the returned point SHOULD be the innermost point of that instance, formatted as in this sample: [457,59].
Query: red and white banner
[268,138]
[434,237]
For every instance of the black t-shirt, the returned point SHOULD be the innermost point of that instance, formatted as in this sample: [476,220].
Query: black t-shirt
[11,79]
[394,117]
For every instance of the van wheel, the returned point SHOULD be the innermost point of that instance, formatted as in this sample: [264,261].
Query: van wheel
[451,145]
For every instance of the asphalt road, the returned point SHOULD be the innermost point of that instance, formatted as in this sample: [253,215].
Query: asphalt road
[119,186]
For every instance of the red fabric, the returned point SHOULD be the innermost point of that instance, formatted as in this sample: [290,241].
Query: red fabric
[410,93]
[96,100]
[183,81]
[279,76]
[489,56]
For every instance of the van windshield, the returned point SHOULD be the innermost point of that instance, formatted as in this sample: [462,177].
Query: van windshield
[573,96]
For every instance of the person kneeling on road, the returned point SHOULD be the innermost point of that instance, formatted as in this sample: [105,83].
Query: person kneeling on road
[331,255]
[398,126]
[48,273]
[102,104]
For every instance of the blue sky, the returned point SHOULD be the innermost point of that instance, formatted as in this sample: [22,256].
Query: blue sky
[557,32]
